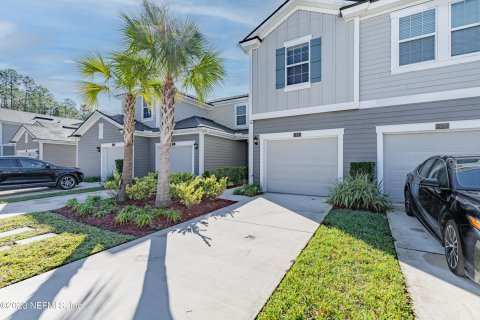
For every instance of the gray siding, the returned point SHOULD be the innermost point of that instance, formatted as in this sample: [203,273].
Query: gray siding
[376,80]
[142,156]
[337,63]
[60,154]
[9,131]
[88,156]
[184,110]
[8,150]
[190,137]
[21,145]
[225,113]
[360,139]
[222,153]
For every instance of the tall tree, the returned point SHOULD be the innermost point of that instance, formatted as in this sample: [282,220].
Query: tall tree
[28,85]
[121,72]
[183,60]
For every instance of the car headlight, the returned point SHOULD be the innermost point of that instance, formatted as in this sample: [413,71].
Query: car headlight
[474,221]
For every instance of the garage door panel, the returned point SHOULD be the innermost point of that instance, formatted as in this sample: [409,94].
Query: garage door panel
[303,166]
[181,158]
[403,152]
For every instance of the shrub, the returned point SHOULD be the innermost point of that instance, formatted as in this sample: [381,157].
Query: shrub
[188,193]
[249,190]
[92,179]
[143,188]
[143,218]
[213,187]
[106,206]
[180,177]
[126,215]
[362,168]
[73,203]
[173,215]
[119,165]
[359,193]
[112,184]
[235,175]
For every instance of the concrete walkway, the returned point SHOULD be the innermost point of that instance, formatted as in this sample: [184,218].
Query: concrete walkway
[435,291]
[42,190]
[221,266]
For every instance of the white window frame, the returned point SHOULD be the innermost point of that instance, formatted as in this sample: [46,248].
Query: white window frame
[142,112]
[100,130]
[443,57]
[466,55]
[288,44]
[237,115]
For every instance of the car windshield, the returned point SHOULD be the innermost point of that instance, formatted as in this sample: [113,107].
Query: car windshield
[467,173]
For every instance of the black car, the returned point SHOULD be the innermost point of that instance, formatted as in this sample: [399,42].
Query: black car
[444,193]
[25,172]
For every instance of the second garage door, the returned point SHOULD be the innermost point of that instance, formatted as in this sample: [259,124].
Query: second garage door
[403,152]
[181,158]
[301,166]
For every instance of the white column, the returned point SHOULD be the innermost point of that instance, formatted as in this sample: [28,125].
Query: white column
[201,153]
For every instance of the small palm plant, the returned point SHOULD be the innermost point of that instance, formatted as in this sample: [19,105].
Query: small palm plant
[183,61]
[121,72]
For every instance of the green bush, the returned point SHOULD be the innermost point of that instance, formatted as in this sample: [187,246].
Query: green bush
[119,165]
[73,204]
[173,215]
[362,168]
[188,193]
[126,214]
[143,188]
[112,184]
[106,206]
[92,179]
[235,175]
[249,190]
[143,218]
[180,177]
[213,187]
[359,193]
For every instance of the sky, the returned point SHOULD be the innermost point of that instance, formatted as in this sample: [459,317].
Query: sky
[44,38]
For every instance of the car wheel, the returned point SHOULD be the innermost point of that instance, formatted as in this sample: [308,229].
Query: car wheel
[408,202]
[67,182]
[453,248]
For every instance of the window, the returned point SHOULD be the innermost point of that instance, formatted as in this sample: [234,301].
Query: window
[8,163]
[28,163]
[146,111]
[26,137]
[100,131]
[465,27]
[423,171]
[298,64]
[241,115]
[416,36]
[439,172]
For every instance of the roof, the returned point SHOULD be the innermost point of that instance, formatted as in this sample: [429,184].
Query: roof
[16,116]
[50,131]
[229,98]
[119,119]
[200,122]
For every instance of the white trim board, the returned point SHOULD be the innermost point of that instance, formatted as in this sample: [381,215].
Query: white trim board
[177,144]
[250,121]
[310,134]
[103,165]
[463,125]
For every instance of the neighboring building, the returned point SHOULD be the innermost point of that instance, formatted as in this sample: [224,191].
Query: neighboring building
[37,135]
[206,136]
[335,82]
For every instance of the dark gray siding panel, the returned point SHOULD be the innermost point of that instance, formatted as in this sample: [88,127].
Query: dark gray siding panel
[88,156]
[21,145]
[8,150]
[9,131]
[222,153]
[142,156]
[360,139]
[177,138]
[60,154]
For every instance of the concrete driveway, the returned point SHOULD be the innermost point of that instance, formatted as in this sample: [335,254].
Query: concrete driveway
[221,266]
[436,292]
[41,190]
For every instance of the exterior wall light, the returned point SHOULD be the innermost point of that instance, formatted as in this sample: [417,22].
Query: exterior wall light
[195,145]
[98,149]
[255,140]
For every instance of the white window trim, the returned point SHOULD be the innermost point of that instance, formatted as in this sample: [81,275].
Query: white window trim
[100,130]
[151,111]
[176,144]
[443,55]
[26,137]
[310,134]
[291,43]
[473,56]
[462,125]
[237,115]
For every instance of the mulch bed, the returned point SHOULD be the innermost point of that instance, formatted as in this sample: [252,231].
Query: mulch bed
[108,222]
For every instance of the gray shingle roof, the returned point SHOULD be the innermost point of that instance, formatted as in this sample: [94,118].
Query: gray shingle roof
[200,122]
[138,125]
[50,131]
[30,117]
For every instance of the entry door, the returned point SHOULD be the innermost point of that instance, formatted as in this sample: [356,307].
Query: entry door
[111,154]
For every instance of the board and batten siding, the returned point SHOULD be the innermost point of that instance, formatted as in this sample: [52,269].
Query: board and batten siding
[30,145]
[376,80]
[60,154]
[223,153]
[336,85]
[89,159]
[8,131]
[224,113]
[175,138]
[360,138]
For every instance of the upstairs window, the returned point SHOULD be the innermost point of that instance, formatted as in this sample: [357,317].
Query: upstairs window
[146,111]
[298,62]
[416,34]
[240,115]
[465,27]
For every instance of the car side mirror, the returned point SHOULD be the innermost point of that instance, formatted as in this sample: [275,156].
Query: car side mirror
[430,182]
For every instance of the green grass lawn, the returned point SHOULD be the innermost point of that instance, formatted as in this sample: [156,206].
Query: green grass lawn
[49,195]
[349,270]
[74,241]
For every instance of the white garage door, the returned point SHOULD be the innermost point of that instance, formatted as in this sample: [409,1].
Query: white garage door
[301,166]
[403,152]
[181,158]
[110,154]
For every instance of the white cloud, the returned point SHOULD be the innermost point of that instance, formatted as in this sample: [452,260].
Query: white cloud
[6,29]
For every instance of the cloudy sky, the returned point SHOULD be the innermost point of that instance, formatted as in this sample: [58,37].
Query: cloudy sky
[43,38]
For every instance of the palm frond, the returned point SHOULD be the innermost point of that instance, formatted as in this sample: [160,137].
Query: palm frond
[89,92]
[93,65]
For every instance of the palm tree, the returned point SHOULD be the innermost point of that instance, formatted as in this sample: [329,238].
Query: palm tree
[183,61]
[122,72]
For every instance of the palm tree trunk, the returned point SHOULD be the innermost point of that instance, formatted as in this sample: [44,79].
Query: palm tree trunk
[128,138]
[167,124]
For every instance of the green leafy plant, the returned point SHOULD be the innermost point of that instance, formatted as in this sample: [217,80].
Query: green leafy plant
[106,206]
[249,190]
[362,168]
[180,177]
[143,188]
[112,184]
[119,165]
[173,215]
[85,208]
[188,193]
[235,175]
[143,218]
[92,179]
[73,204]
[359,193]
[213,187]
[126,214]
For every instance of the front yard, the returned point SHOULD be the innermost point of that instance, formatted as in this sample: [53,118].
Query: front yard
[349,270]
